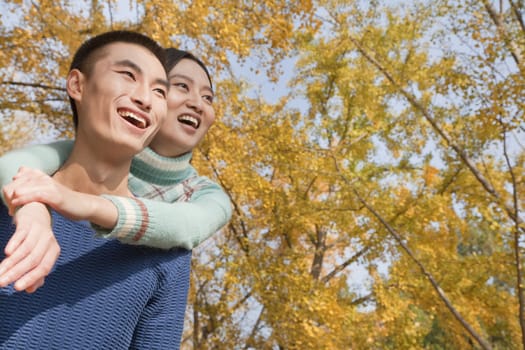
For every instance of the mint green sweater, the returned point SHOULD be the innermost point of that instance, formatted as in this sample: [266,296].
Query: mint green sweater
[174,206]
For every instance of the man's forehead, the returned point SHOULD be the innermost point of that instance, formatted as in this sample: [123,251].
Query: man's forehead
[124,50]
[130,55]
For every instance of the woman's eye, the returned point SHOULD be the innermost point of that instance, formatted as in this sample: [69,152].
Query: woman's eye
[181,85]
[208,98]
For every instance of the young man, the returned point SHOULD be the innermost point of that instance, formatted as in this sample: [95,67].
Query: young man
[118,86]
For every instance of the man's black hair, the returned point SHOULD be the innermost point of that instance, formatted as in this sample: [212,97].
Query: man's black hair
[85,57]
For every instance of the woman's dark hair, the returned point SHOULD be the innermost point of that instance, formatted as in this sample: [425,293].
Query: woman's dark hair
[173,57]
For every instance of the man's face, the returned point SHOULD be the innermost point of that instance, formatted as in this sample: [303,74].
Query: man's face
[123,100]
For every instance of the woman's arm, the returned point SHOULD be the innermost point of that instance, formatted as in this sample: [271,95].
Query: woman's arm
[47,158]
[131,220]
[134,221]
[33,186]
[168,225]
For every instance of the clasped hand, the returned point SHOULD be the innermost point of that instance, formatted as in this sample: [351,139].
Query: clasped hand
[33,249]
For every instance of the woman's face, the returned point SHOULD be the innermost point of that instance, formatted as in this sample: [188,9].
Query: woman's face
[190,110]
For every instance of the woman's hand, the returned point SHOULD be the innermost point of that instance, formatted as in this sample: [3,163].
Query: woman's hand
[31,185]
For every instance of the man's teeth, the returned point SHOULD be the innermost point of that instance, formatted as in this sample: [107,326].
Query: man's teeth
[187,119]
[134,119]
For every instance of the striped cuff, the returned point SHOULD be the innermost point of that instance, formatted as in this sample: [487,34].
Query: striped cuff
[132,223]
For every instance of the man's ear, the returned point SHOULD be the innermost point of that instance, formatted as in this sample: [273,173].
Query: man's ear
[75,84]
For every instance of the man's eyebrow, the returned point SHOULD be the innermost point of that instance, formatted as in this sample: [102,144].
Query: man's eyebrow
[163,82]
[130,64]
[183,76]
[135,67]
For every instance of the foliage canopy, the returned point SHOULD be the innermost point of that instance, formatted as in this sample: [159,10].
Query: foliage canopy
[378,198]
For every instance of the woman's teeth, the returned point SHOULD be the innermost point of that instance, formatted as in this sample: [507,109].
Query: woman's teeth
[189,120]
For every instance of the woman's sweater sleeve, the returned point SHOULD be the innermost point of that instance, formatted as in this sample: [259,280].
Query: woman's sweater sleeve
[47,158]
[167,225]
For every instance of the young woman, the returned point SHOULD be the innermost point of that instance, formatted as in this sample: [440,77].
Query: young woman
[173,206]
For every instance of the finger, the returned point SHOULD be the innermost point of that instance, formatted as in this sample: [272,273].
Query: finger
[9,191]
[40,271]
[24,258]
[19,181]
[29,194]
[28,173]
[22,267]
[21,185]
[19,236]
[35,286]
[6,191]
[23,170]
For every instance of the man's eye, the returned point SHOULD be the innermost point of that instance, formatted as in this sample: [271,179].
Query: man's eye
[161,92]
[128,73]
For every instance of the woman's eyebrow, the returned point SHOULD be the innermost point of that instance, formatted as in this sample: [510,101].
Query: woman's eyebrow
[185,77]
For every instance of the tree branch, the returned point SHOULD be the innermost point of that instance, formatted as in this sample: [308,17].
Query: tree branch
[517,255]
[320,249]
[428,116]
[32,85]
[514,51]
[518,15]
[254,330]
[482,342]
[342,266]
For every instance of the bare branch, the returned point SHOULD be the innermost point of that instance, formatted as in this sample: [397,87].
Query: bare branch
[32,85]
[448,140]
[518,14]
[514,51]
[517,255]
[362,300]
[320,249]
[342,266]
[254,329]
[482,342]
[110,11]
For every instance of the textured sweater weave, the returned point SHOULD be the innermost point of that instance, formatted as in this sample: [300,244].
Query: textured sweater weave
[102,294]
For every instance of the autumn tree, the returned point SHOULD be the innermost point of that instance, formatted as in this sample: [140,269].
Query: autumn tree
[438,88]
[377,199]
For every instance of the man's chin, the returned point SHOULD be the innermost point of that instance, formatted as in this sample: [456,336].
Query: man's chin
[129,149]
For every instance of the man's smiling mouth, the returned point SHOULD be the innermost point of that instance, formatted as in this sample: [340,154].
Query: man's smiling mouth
[132,118]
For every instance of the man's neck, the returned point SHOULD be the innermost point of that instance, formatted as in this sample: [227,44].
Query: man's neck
[90,172]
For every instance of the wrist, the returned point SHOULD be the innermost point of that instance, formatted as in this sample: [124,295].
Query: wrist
[103,212]
[35,211]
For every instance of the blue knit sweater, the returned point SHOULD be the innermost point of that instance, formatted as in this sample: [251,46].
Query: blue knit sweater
[102,294]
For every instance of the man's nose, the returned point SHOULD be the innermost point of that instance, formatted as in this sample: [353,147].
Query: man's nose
[142,97]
